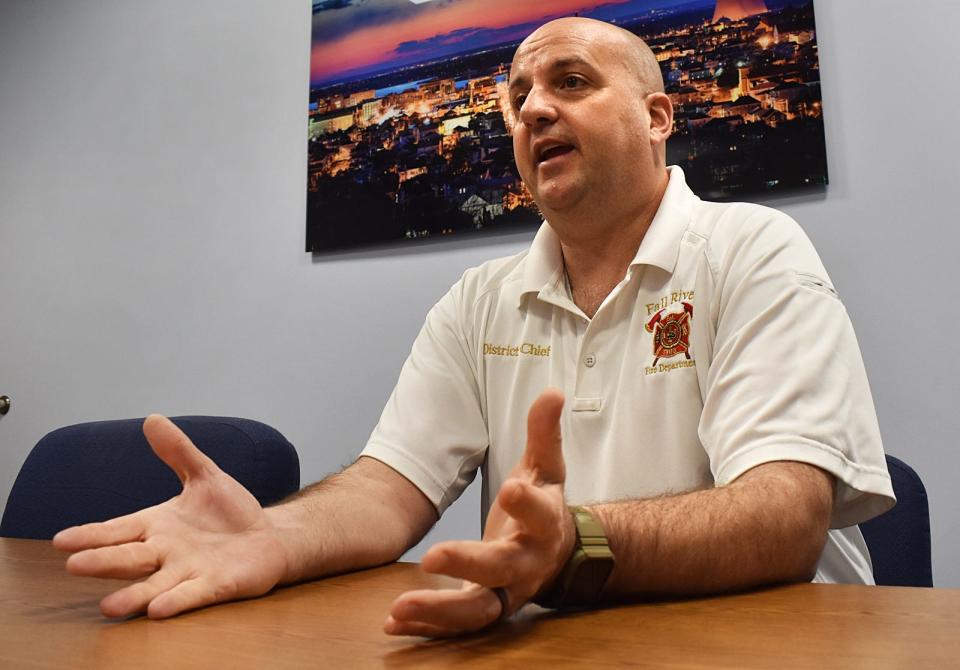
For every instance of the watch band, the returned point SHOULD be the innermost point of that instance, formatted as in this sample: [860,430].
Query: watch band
[583,577]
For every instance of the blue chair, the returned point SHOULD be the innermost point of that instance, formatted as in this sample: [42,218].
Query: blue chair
[899,540]
[96,471]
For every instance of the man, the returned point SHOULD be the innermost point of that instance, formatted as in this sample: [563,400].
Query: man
[717,406]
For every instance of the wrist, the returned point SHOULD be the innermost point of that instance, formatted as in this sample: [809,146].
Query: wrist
[568,545]
[288,537]
[581,579]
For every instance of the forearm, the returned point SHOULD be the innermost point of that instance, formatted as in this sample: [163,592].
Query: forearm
[364,516]
[769,526]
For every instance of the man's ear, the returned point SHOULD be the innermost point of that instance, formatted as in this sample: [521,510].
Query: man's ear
[509,118]
[660,109]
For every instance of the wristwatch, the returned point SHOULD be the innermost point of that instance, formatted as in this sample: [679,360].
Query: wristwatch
[585,574]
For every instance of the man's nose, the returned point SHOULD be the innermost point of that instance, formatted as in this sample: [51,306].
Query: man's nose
[538,108]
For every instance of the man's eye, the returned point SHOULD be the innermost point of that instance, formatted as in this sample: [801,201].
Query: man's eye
[572,81]
[519,100]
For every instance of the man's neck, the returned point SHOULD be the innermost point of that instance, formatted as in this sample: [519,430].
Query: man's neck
[597,251]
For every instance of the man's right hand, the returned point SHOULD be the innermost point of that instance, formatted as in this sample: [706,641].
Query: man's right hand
[211,543]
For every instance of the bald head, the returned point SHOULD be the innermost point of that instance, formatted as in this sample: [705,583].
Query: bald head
[589,117]
[632,52]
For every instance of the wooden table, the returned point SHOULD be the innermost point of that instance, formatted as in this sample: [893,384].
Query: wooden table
[49,619]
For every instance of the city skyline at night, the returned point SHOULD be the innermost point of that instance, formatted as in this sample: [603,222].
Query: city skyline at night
[407,140]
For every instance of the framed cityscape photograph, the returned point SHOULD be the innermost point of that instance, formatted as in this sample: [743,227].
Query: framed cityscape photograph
[407,141]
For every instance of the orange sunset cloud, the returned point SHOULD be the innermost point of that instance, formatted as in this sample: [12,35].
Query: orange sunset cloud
[374,44]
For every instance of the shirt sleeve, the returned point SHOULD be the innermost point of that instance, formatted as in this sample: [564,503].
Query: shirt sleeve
[432,430]
[786,380]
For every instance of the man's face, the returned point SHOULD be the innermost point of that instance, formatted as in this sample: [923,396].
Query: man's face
[580,125]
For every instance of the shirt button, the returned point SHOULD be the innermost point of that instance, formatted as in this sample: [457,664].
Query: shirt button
[590,360]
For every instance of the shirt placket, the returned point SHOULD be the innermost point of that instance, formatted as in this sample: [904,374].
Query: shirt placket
[587,390]
[591,354]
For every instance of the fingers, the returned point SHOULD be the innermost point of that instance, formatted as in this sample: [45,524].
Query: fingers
[187,595]
[126,561]
[123,529]
[175,449]
[518,550]
[441,613]
[136,597]
[544,453]
[393,627]
[536,508]
[487,563]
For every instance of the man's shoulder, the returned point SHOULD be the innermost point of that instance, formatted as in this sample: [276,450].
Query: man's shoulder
[727,223]
[743,233]
[739,237]
[492,278]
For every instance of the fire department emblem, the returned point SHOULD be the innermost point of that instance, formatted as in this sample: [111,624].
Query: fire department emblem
[671,333]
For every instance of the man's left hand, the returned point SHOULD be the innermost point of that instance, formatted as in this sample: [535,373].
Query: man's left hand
[528,538]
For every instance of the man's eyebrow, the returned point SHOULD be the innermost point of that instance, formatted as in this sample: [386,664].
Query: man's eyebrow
[561,63]
[570,61]
[519,82]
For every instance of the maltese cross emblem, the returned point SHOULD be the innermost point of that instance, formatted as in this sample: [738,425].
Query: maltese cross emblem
[671,333]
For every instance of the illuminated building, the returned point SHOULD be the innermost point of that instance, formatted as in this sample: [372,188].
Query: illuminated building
[331,122]
[370,112]
[447,126]
[361,96]
[406,175]
[738,9]
[513,199]
[481,210]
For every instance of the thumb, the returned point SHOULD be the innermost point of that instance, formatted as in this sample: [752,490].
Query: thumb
[175,449]
[544,454]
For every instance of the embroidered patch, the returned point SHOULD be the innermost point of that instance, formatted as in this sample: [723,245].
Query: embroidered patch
[671,333]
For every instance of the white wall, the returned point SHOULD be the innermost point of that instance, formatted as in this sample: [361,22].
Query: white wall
[152,188]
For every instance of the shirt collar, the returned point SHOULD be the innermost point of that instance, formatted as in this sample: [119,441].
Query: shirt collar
[543,272]
[661,243]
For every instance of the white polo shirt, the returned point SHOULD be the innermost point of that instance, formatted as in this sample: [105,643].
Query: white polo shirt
[724,347]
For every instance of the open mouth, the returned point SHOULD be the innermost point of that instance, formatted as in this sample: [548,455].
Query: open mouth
[553,152]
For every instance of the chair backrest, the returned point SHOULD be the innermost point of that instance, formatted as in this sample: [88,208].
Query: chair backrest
[899,540]
[96,471]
